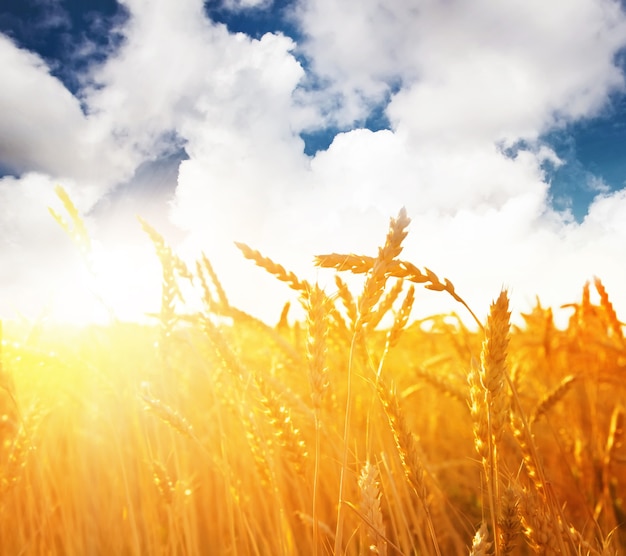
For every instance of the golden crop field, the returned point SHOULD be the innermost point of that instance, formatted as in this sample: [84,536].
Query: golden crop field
[358,430]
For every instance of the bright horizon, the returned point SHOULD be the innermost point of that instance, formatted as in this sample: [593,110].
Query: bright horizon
[301,128]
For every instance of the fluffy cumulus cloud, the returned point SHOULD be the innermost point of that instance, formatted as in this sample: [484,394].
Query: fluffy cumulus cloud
[468,88]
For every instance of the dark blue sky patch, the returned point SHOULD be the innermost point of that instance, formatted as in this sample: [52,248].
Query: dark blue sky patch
[318,140]
[569,182]
[6,171]
[593,152]
[254,22]
[69,35]
[601,144]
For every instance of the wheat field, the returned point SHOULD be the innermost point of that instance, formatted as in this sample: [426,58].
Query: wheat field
[354,430]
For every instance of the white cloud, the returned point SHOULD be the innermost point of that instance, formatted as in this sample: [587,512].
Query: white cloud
[471,69]
[32,136]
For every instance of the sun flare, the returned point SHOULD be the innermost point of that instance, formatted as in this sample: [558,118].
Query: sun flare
[119,283]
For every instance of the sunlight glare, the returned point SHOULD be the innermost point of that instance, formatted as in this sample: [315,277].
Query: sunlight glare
[123,284]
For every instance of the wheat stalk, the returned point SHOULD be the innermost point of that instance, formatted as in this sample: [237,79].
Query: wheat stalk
[372,291]
[317,324]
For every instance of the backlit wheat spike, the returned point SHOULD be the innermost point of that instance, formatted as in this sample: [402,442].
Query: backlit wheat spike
[162,481]
[479,411]
[168,415]
[401,318]
[536,524]
[359,264]
[385,305]
[480,543]
[609,311]
[508,521]
[259,448]
[494,367]
[230,361]
[316,344]
[441,382]
[377,277]
[370,508]
[396,235]
[548,513]
[287,434]
[525,442]
[553,397]
[408,271]
[347,299]
[76,228]
[210,303]
[170,290]
[583,310]
[221,293]
[273,268]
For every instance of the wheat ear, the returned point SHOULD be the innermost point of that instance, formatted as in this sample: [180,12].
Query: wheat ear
[480,543]
[607,306]
[377,277]
[370,508]
[288,436]
[347,299]
[553,397]
[359,264]
[508,521]
[168,415]
[317,324]
[162,481]
[273,268]
[75,228]
[171,265]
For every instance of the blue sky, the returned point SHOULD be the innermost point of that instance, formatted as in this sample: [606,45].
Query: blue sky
[301,127]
